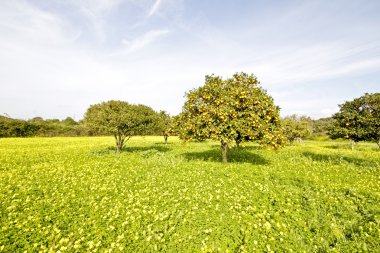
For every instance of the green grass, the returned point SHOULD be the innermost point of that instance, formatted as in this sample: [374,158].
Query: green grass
[78,195]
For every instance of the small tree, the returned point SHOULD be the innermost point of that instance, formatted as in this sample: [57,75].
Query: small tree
[120,119]
[232,110]
[358,120]
[321,126]
[69,121]
[297,127]
[164,124]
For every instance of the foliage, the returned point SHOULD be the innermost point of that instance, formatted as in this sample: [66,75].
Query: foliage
[321,126]
[359,119]
[16,128]
[77,195]
[297,127]
[39,127]
[164,125]
[54,127]
[120,119]
[232,110]
[69,121]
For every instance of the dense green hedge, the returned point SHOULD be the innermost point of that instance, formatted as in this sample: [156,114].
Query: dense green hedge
[53,127]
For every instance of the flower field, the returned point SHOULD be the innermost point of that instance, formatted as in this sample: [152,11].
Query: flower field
[78,195]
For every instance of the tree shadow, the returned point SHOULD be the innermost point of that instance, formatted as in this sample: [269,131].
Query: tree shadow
[234,156]
[143,150]
[339,159]
[159,148]
[163,143]
[242,147]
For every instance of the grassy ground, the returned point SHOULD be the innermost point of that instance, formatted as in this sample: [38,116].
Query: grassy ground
[77,195]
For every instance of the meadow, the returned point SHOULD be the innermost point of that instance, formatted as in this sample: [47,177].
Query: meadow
[68,194]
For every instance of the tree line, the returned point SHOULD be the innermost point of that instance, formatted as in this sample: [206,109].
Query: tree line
[297,127]
[39,127]
[231,111]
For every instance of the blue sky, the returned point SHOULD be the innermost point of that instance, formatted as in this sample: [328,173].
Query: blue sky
[59,57]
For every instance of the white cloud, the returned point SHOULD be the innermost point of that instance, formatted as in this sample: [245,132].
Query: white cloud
[20,21]
[154,8]
[325,61]
[144,40]
[47,70]
[99,7]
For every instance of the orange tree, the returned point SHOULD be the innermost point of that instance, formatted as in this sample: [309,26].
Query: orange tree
[164,124]
[233,110]
[358,120]
[297,127]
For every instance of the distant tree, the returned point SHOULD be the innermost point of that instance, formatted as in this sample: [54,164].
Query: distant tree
[297,127]
[69,121]
[163,125]
[233,110]
[52,121]
[358,120]
[37,119]
[16,128]
[121,119]
[321,126]
[39,127]
[7,126]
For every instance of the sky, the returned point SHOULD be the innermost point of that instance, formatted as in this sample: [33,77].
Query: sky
[58,57]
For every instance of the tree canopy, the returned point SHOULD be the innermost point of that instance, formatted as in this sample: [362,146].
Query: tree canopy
[358,120]
[233,110]
[297,127]
[16,128]
[321,126]
[120,119]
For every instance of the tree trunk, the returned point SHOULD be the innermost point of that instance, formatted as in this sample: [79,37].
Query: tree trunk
[352,143]
[119,143]
[224,148]
[166,139]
